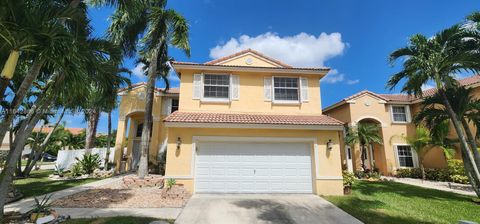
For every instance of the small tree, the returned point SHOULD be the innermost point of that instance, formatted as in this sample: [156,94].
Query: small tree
[421,143]
[363,134]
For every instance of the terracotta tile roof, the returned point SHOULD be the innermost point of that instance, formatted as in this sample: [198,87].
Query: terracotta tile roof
[171,90]
[475,79]
[244,52]
[73,131]
[201,117]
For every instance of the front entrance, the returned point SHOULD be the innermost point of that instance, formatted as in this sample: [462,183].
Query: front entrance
[253,167]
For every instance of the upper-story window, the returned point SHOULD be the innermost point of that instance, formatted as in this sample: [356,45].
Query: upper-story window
[216,86]
[285,89]
[400,113]
[139,131]
[174,106]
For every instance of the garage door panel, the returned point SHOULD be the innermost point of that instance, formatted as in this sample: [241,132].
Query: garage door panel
[240,167]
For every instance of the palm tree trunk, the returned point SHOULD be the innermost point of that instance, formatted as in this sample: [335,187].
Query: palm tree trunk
[93,116]
[473,143]
[20,95]
[148,120]
[6,176]
[8,71]
[109,133]
[468,161]
[41,148]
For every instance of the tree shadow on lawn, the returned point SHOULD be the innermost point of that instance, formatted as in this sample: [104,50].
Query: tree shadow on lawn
[36,187]
[372,211]
[389,187]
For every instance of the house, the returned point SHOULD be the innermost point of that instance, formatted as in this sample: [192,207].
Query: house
[393,113]
[5,146]
[245,123]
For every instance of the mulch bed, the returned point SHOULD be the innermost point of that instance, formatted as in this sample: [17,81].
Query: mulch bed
[118,195]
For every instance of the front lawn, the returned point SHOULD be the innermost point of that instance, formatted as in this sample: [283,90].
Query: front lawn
[38,183]
[114,220]
[389,202]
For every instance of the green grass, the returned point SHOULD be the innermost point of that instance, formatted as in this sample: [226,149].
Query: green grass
[389,202]
[114,220]
[38,183]
[24,163]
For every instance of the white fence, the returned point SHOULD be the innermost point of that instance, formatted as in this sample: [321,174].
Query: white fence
[66,158]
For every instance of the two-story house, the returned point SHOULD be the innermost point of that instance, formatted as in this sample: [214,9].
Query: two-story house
[247,123]
[393,113]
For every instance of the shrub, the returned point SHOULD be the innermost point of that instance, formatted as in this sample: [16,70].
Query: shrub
[459,179]
[89,162]
[76,170]
[348,179]
[171,182]
[367,174]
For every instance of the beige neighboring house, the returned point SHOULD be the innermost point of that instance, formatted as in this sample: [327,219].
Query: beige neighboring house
[393,113]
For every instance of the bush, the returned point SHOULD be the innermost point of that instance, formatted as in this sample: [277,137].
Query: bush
[454,173]
[89,163]
[171,182]
[457,171]
[348,179]
[76,170]
[367,174]
[409,173]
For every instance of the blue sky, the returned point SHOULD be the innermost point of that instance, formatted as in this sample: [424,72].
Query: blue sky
[354,38]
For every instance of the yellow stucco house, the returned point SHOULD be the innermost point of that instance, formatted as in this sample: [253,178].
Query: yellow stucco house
[393,113]
[245,123]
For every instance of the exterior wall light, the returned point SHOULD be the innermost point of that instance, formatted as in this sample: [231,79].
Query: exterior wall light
[179,143]
[329,144]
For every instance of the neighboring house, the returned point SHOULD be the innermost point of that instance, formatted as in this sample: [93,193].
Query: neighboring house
[393,113]
[47,129]
[5,146]
[246,123]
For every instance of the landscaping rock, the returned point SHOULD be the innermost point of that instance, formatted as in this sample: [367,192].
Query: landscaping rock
[102,173]
[133,181]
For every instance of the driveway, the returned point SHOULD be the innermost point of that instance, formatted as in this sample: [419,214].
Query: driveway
[261,208]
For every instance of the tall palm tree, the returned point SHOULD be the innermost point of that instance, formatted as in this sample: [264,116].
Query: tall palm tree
[438,59]
[363,134]
[160,27]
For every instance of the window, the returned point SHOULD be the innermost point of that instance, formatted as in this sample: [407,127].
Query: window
[285,89]
[139,130]
[174,106]
[399,113]
[405,156]
[216,86]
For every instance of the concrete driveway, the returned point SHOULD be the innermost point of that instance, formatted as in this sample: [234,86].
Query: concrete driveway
[261,208]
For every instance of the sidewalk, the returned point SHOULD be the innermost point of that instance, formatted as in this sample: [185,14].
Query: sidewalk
[443,186]
[26,204]
[158,213]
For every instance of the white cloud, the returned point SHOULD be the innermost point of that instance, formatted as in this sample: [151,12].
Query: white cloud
[427,86]
[333,77]
[138,71]
[300,50]
[352,82]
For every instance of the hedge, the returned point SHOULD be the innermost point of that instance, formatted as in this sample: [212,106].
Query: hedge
[453,173]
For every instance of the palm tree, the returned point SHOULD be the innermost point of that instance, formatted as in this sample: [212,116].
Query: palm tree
[364,134]
[438,59]
[159,27]
[421,142]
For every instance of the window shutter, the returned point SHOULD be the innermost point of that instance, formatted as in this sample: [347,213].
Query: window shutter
[197,86]
[407,113]
[167,106]
[235,87]
[304,89]
[267,88]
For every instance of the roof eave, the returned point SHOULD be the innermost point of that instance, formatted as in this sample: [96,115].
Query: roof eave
[319,71]
[332,127]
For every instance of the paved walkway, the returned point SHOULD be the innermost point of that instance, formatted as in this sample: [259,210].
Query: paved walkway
[158,213]
[262,208]
[26,204]
[443,186]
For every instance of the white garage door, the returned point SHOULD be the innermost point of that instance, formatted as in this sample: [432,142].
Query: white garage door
[239,167]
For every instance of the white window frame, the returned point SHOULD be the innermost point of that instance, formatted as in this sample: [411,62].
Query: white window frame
[298,101]
[397,158]
[216,100]
[407,114]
